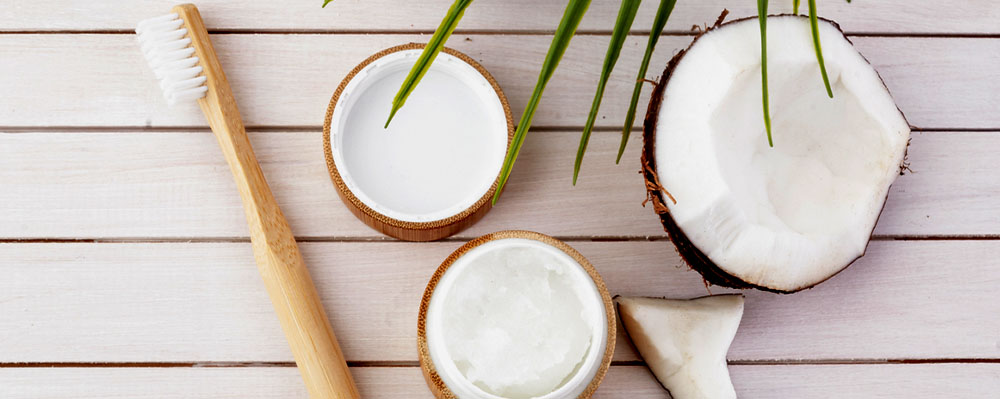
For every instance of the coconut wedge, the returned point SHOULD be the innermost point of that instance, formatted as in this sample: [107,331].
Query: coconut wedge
[684,342]
[781,218]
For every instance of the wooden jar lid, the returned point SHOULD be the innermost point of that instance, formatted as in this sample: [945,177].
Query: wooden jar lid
[434,170]
[601,364]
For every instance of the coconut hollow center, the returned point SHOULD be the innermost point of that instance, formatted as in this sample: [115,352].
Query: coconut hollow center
[827,154]
[516,322]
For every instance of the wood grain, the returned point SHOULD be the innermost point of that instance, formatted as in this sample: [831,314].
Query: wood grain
[284,272]
[897,16]
[203,302]
[87,151]
[174,185]
[102,80]
[957,381]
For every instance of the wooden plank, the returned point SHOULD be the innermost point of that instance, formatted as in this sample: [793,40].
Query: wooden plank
[949,16]
[168,185]
[287,80]
[867,381]
[751,381]
[204,302]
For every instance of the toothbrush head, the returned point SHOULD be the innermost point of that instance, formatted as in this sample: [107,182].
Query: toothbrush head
[167,46]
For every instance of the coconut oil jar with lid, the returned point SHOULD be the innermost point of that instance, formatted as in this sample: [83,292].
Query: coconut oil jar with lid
[515,314]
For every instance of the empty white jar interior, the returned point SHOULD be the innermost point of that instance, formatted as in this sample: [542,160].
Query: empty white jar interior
[516,318]
[443,150]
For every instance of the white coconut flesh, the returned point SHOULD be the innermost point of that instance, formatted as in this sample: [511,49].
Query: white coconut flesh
[788,217]
[684,342]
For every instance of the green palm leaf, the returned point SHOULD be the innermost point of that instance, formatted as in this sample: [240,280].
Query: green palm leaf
[662,15]
[626,15]
[575,10]
[762,16]
[795,7]
[427,57]
[814,25]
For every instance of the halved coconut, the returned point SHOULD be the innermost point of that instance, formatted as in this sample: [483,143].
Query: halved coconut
[685,342]
[780,218]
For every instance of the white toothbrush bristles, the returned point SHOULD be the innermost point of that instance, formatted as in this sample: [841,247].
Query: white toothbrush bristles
[168,50]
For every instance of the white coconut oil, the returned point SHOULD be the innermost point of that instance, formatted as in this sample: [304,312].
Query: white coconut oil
[516,318]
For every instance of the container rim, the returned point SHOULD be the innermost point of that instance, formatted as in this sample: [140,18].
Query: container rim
[395,227]
[431,374]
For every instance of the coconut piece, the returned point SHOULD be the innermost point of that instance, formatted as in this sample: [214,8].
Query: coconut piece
[780,218]
[684,341]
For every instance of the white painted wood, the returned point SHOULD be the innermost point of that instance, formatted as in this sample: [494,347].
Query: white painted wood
[958,381]
[178,185]
[287,80]
[204,302]
[867,381]
[950,16]
[175,184]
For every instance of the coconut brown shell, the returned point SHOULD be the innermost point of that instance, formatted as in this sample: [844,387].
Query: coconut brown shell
[693,256]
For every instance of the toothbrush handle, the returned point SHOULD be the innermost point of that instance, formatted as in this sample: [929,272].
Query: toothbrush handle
[278,258]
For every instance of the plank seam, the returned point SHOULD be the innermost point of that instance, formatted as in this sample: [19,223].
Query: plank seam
[415,364]
[318,129]
[249,129]
[384,239]
[497,32]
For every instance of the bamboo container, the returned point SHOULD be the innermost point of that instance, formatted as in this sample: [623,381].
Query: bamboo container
[357,112]
[437,371]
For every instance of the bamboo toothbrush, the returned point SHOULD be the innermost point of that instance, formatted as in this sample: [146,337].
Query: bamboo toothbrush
[182,57]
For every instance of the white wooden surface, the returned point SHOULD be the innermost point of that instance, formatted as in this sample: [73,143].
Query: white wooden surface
[752,381]
[125,270]
[285,80]
[881,16]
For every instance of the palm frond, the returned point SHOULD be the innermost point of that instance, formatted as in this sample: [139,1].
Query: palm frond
[660,21]
[814,26]
[575,9]
[427,57]
[626,15]
[762,16]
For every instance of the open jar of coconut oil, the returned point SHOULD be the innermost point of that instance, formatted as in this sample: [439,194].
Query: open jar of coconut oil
[515,314]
